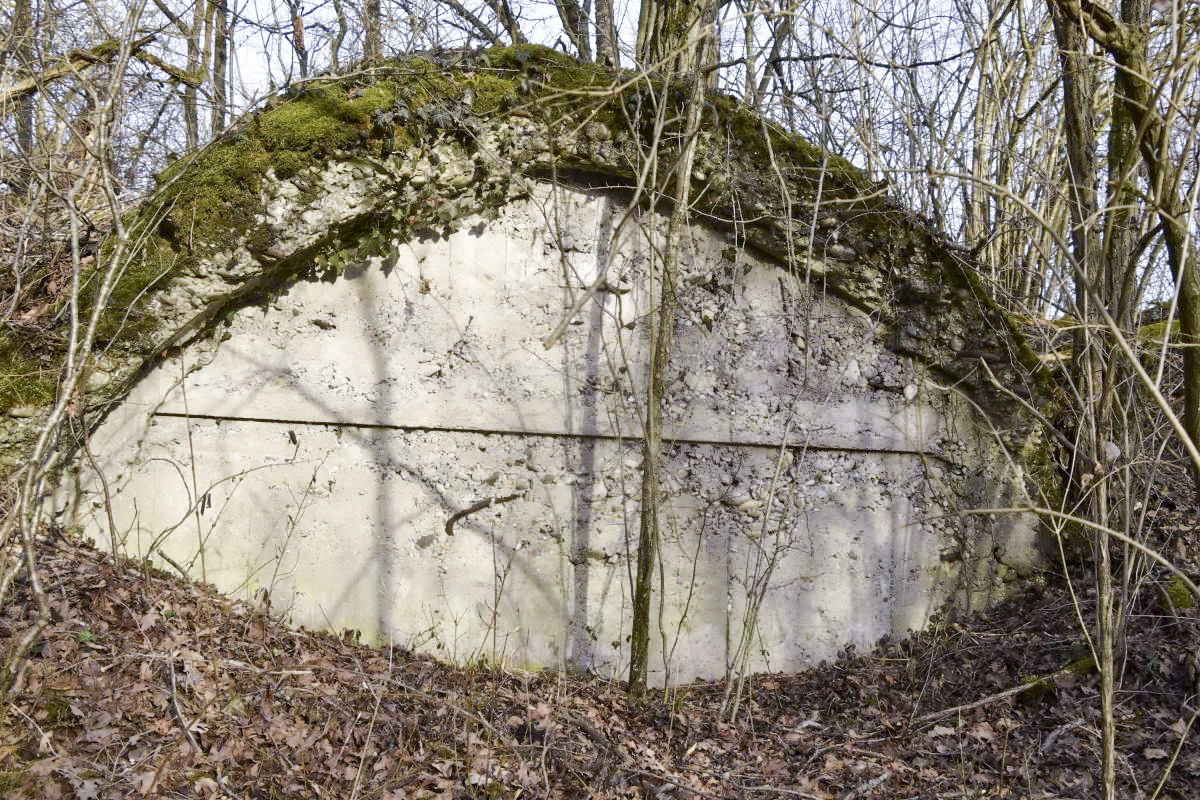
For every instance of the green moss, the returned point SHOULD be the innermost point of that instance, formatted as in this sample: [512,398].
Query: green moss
[801,159]
[1046,686]
[208,202]
[24,379]
[12,781]
[1155,331]
[218,192]
[492,93]
[212,200]
[539,62]
[142,273]
[327,116]
[1178,595]
[215,192]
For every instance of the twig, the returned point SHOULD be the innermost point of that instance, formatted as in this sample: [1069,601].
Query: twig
[74,62]
[173,563]
[868,786]
[1115,534]
[656,776]
[780,790]
[1049,741]
[482,504]
[1174,757]
[1073,667]
[598,737]
[177,712]
[108,505]
[362,758]
[478,720]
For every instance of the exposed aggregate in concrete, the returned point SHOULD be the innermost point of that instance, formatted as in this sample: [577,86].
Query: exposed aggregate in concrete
[416,385]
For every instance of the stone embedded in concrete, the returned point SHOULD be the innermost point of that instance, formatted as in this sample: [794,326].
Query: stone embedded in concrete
[333,433]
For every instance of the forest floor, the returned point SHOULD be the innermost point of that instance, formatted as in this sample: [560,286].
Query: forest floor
[148,686]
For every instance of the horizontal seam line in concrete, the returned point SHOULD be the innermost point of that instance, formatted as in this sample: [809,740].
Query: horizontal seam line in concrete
[611,437]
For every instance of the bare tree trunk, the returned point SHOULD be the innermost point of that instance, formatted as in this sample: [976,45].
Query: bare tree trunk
[1106,650]
[299,45]
[606,34]
[781,33]
[505,14]
[23,50]
[335,44]
[673,35]
[191,106]
[1121,219]
[1125,40]
[1079,126]
[661,328]
[692,49]
[373,31]
[220,63]
[574,18]
[1092,368]
[750,79]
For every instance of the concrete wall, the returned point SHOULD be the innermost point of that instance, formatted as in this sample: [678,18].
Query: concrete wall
[318,446]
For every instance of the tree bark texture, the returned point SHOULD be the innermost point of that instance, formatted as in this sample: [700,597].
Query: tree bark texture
[1091,366]
[22,49]
[661,330]
[574,18]
[1125,41]
[674,36]
[606,34]
[220,65]
[508,19]
[372,31]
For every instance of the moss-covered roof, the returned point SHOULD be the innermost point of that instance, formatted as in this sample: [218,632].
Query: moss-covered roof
[440,137]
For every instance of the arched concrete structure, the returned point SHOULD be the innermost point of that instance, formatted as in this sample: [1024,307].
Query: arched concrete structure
[320,436]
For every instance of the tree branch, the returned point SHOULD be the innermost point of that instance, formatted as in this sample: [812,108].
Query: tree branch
[479,25]
[73,63]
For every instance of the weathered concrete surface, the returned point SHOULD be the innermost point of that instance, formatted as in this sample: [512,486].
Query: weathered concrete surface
[317,446]
[328,345]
